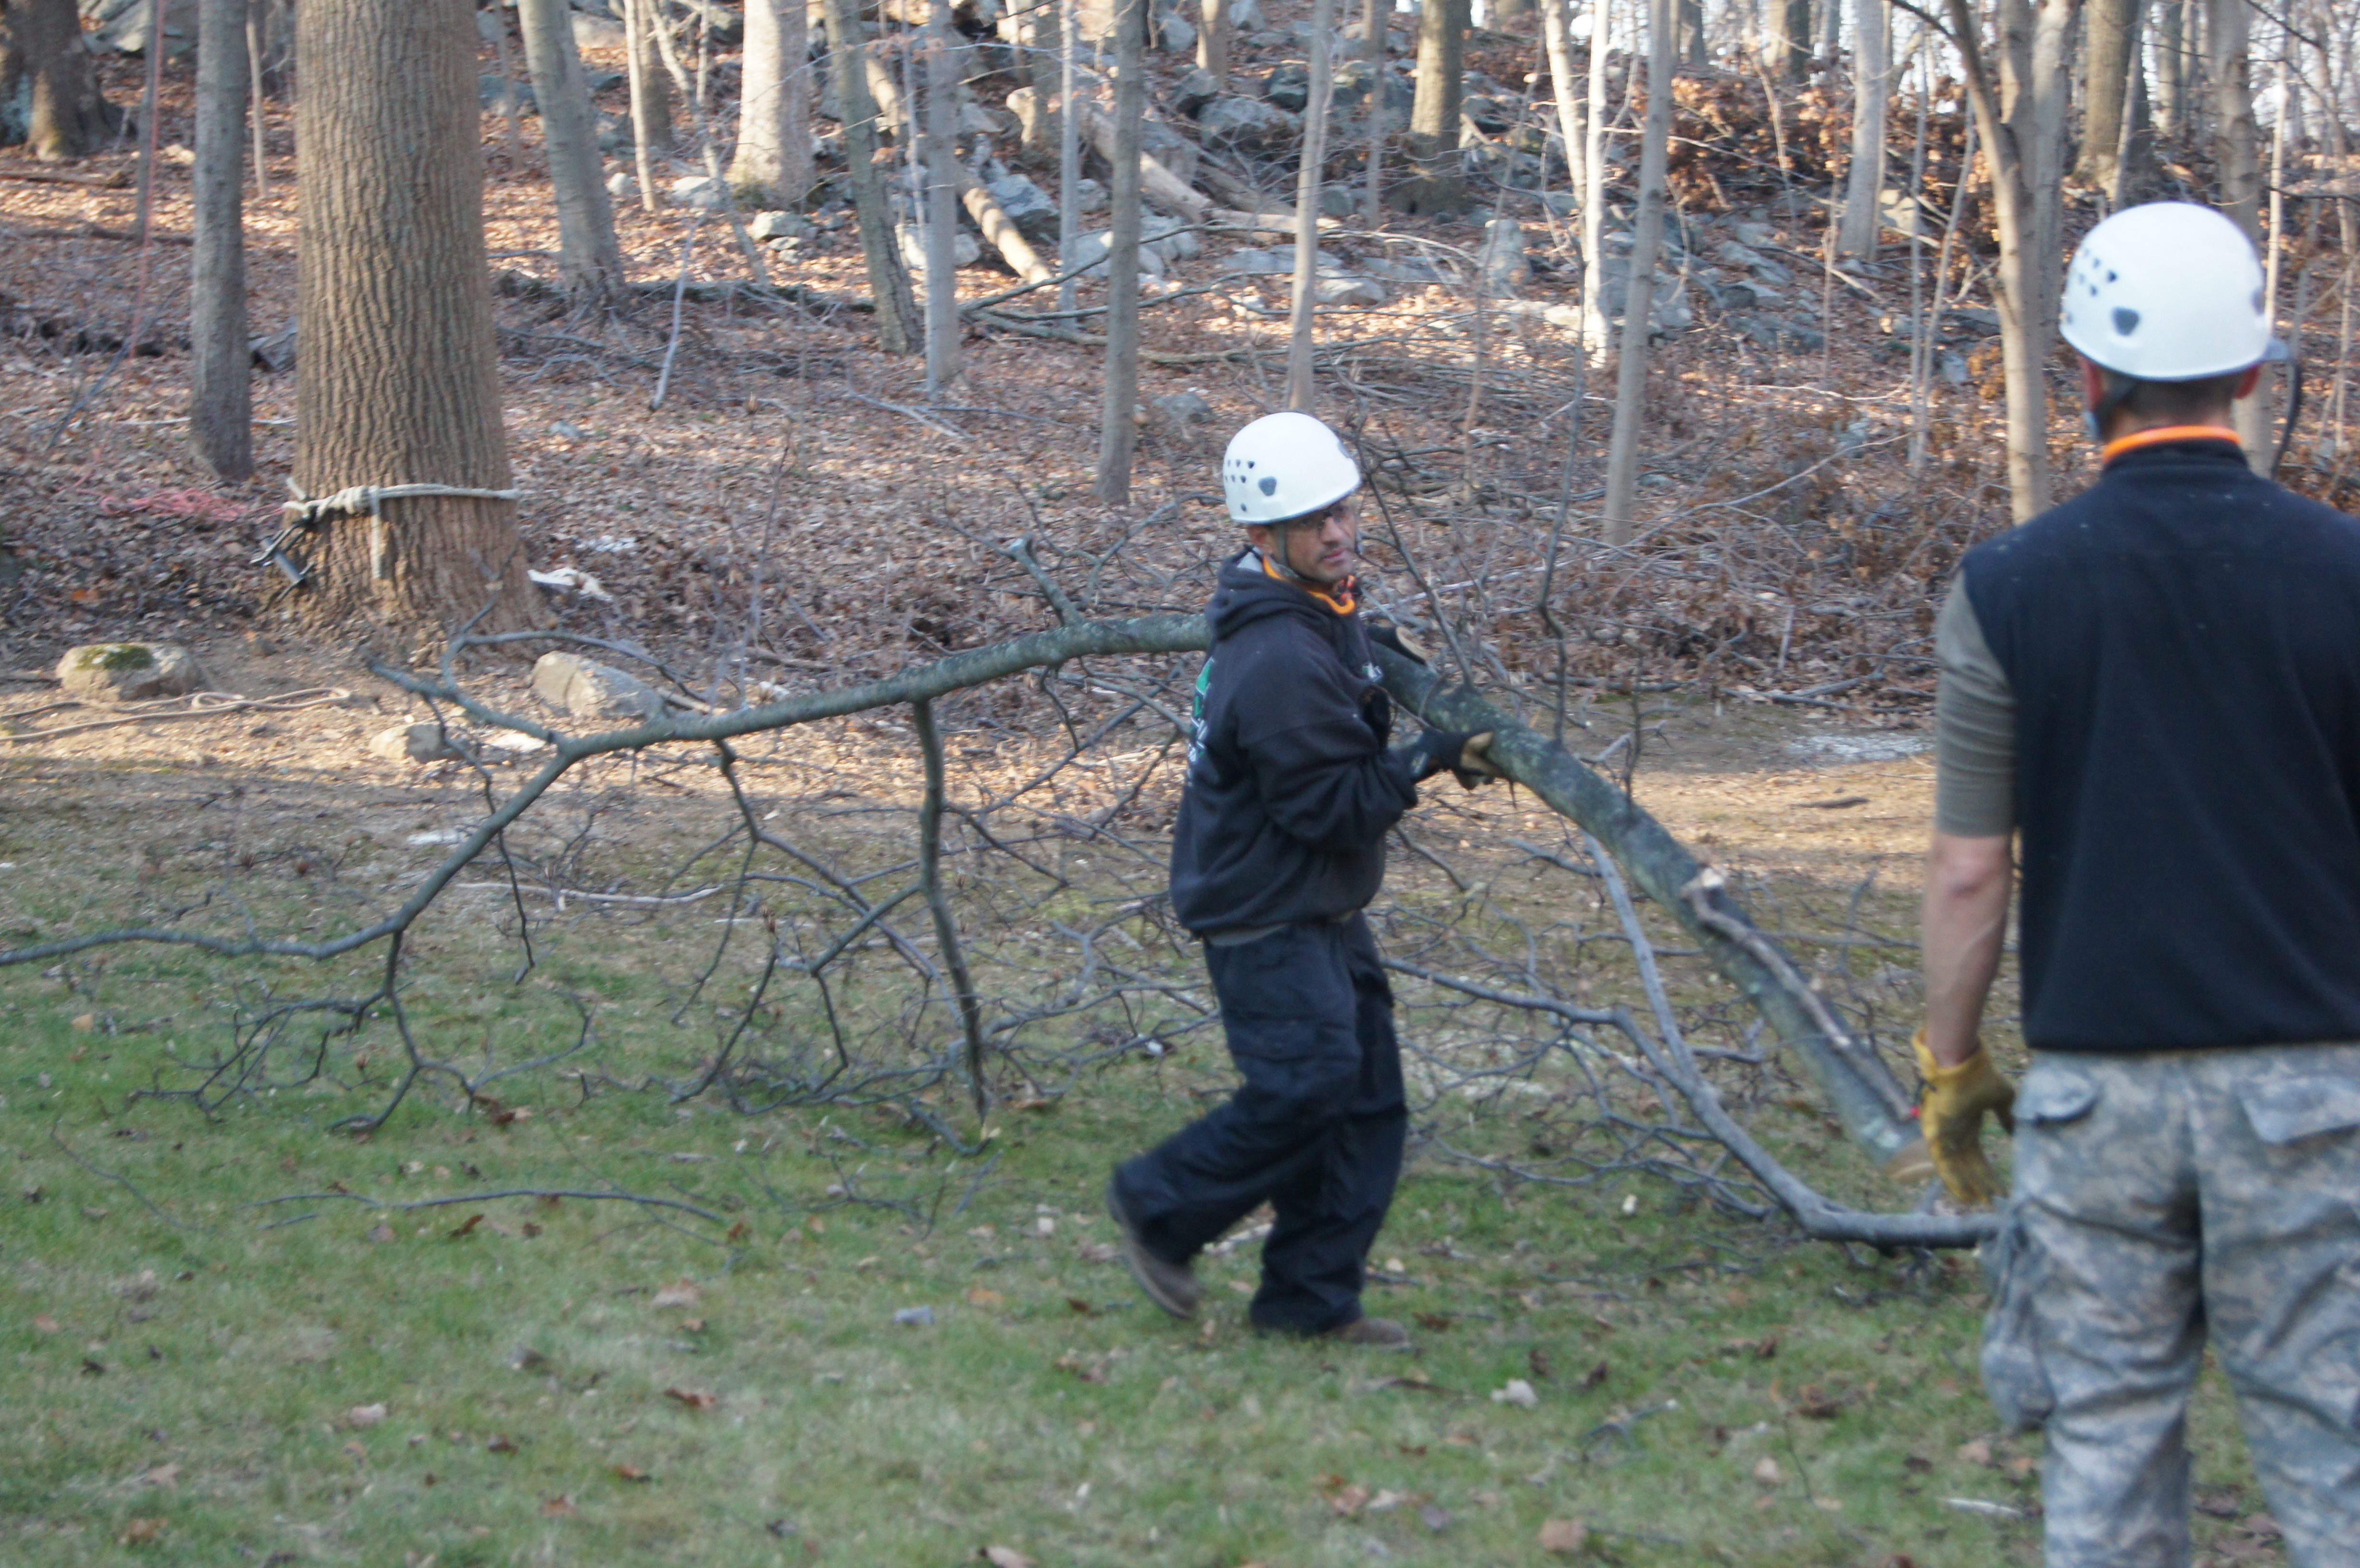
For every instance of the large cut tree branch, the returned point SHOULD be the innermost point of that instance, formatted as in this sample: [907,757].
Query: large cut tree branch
[1862,1092]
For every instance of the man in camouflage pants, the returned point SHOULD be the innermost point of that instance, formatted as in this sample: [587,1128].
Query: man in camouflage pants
[2156,687]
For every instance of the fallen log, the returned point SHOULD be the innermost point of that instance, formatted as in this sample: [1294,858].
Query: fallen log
[1001,232]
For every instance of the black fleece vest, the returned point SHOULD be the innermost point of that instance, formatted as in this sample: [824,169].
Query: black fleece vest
[2183,642]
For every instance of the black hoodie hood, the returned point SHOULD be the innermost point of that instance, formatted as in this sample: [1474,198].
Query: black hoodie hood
[1245,592]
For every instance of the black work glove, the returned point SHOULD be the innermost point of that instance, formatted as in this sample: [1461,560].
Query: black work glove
[1464,754]
[1393,637]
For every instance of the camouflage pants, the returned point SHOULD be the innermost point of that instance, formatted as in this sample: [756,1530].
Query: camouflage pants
[2161,1198]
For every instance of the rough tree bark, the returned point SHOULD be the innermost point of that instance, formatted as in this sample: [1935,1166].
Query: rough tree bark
[2112,33]
[942,172]
[1306,207]
[1594,329]
[2021,111]
[772,164]
[1639,294]
[1694,51]
[1439,185]
[49,90]
[2237,152]
[1794,52]
[1213,39]
[652,119]
[399,380]
[1117,432]
[1557,39]
[889,282]
[2171,70]
[1863,218]
[221,401]
[589,257]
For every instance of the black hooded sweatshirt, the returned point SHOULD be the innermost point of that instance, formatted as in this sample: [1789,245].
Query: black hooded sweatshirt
[1290,787]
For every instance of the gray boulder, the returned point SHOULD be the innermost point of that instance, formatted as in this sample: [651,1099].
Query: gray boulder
[1195,89]
[697,190]
[965,248]
[1506,269]
[414,743]
[1289,87]
[1027,206]
[1090,254]
[588,689]
[494,91]
[129,672]
[1172,419]
[1344,289]
[1232,123]
[597,33]
[1176,33]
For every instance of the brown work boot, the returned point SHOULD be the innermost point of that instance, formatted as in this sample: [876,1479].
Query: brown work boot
[1171,1285]
[1370,1333]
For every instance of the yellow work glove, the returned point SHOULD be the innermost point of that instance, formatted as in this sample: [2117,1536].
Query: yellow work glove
[1952,1117]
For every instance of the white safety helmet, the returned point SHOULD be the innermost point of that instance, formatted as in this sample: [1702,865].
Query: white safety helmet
[2168,291]
[1285,465]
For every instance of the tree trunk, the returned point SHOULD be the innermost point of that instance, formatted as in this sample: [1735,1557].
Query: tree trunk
[1069,145]
[45,69]
[1864,217]
[771,165]
[2022,112]
[590,260]
[1509,10]
[1557,39]
[2113,36]
[221,403]
[1117,433]
[1594,329]
[1795,38]
[1307,204]
[399,381]
[652,93]
[889,282]
[1212,38]
[2170,70]
[1372,50]
[1639,297]
[1439,185]
[942,171]
[2236,150]
[1693,49]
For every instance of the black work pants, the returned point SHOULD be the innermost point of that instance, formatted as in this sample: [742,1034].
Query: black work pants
[1316,1129]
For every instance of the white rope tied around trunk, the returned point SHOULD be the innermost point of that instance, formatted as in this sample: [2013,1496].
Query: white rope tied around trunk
[306,512]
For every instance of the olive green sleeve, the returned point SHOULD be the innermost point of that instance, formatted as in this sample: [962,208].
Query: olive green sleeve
[1975,728]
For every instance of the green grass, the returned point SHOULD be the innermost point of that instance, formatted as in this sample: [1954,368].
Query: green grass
[181,1352]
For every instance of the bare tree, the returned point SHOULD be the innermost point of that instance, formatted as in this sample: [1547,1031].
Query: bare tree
[45,68]
[399,383]
[2173,34]
[220,400]
[2237,152]
[2109,60]
[1069,145]
[1117,433]
[590,258]
[1863,218]
[650,99]
[1594,328]
[942,172]
[772,164]
[1212,38]
[1440,184]
[1557,39]
[1792,58]
[1306,206]
[898,328]
[2022,115]
[1639,297]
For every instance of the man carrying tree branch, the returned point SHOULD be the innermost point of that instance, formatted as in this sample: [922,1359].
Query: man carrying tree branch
[1279,846]
[2155,688]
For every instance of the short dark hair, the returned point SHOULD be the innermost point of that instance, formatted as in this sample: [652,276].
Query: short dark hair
[2181,400]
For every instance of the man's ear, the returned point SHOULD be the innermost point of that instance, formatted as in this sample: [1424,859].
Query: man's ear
[1258,535]
[2247,382]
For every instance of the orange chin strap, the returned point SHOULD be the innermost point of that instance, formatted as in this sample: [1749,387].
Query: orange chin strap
[1342,598]
[2164,436]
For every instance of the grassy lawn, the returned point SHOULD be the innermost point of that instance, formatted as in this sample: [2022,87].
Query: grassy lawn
[223,1340]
